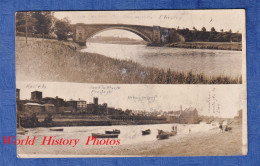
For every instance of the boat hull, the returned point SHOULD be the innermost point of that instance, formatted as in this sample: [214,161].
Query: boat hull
[163,136]
[56,129]
[98,135]
[146,132]
[113,132]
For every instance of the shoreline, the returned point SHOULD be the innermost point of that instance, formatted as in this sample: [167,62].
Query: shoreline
[207,143]
[202,45]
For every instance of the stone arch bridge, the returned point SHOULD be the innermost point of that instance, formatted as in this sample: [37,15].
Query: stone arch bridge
[151,34]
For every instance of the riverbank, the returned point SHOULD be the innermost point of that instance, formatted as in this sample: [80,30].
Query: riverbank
[200,143]
[235,46]
[51,60]
[64,120]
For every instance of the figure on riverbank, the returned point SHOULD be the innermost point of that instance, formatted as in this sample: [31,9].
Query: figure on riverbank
[174,128]
[220,128]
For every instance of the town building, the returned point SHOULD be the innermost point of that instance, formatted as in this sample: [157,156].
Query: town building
[95,100]
[36,96]
[17,94]
[173,118]
[92,108]
[49,108]
[30,108]
[57,102]
[189,115]
[77,105]
[95,108]
[20,103]
[81,105]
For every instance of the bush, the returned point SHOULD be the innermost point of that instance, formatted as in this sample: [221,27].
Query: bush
[62,29]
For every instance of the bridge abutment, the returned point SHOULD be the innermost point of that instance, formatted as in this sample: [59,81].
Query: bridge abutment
[82,43]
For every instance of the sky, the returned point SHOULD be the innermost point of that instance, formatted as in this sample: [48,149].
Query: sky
[146,97]
[233,19]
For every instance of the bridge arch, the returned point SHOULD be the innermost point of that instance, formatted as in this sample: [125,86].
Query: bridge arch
[82,32]
[138,33]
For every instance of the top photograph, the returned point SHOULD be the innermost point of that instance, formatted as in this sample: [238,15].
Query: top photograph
[131,47]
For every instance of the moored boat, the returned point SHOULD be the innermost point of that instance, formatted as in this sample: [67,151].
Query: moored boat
[101,135]
[146,132]
[20,132]
[163,136]
[57,129]
[113,132]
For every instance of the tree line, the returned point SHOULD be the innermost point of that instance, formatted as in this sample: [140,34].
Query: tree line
[42,24]
[203,35]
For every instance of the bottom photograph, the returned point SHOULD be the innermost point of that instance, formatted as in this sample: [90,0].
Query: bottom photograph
[58,119]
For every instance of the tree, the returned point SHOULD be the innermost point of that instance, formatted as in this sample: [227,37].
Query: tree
[20,22]
[63,29]
[43,25]
[203,35]
[213,34]
[212,29]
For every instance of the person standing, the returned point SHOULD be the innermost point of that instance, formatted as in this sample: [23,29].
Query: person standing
[220,128]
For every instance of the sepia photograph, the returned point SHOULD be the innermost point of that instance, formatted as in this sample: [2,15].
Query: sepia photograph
[130,83]
[183,120]
[131,47]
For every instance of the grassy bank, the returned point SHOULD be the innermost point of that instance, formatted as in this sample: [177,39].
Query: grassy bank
[236,46]
[51,60]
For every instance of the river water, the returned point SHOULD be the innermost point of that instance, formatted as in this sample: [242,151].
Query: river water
[206,61]
[130,134]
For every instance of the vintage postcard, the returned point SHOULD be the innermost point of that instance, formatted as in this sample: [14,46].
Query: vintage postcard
[130,83]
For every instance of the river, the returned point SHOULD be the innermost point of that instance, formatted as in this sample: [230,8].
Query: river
[199,61]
